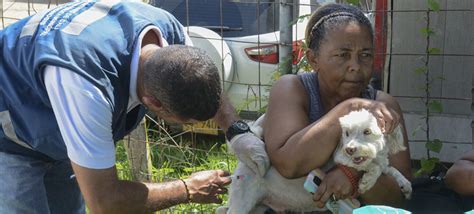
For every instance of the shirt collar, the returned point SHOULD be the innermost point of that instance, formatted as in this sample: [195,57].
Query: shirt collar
[133,97]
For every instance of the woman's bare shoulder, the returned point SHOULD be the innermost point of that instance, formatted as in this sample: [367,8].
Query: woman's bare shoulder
[288,87]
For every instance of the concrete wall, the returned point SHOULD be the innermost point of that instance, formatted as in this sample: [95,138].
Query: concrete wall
[454,31]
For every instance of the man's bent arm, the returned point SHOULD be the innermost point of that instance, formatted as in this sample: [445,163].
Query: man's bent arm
[460,176]
[226,114]
[104,193]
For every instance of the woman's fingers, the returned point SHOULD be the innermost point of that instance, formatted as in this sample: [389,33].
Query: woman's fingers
[387,118]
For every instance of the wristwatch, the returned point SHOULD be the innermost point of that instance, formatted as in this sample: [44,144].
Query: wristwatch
[237,127]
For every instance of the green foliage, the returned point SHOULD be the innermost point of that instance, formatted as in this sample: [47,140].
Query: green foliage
[421,70]
[435,145]
[353,2]
[432,106]
[427,31]
[121,163]
[434,51]
[416,130]
[434,5]
[173,160]
[435,106]
[427,166]
[300,19]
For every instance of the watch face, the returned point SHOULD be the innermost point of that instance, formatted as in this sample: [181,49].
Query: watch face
[242,126]
[238,127]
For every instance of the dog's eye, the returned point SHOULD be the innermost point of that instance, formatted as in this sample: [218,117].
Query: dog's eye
[347,134]
[367,132]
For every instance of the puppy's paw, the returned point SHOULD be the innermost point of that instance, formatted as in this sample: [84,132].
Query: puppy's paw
[406,189]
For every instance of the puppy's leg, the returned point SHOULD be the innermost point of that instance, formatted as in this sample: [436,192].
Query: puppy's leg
[245,191]
[369,178]
[404,184]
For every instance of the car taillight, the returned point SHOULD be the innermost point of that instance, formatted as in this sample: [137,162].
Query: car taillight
[269,53]
[298,51]
[264,54]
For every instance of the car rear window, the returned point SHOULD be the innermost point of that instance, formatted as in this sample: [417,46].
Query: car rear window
[230,18]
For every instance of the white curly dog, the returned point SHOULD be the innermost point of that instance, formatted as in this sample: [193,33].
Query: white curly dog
[362,146]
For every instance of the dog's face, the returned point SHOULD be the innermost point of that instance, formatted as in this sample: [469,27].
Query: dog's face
[361,139]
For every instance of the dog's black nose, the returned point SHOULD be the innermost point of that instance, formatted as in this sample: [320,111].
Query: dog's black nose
[351,150]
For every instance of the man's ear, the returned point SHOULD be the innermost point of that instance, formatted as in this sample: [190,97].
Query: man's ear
[312,59]
[152,103]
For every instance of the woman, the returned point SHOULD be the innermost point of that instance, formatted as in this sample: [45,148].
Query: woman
[301,124]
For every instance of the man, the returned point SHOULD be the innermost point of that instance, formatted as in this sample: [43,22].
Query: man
[460,178]
[451,193]
[79,77]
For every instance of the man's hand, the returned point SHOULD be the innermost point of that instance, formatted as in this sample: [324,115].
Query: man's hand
[251,151]
[204,187]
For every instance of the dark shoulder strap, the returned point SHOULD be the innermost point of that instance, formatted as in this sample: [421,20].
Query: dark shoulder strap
[310,82]
[369,93]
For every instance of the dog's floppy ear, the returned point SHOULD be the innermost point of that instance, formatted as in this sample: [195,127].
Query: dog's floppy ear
[394,140]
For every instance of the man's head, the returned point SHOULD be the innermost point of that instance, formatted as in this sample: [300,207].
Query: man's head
[179,83]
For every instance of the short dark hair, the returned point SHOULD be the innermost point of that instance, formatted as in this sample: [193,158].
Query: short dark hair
[330,16]
[185,80]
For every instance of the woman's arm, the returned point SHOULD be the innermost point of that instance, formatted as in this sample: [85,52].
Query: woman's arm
[460,177]
[289,140]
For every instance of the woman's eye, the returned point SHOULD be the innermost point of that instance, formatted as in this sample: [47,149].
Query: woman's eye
[367,132]
[343,55]
[366,55]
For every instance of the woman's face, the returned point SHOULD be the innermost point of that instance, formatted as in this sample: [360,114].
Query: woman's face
[344,62]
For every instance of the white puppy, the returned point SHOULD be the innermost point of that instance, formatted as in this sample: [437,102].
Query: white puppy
[364,147]
[250,193]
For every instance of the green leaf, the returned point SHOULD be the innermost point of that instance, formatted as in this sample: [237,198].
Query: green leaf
[422,88]
[433,5]
[418,172]
[300,19]
[434,51]
[417,129]
[434,146]
[353,2]
[421,70]
[435,106]
[427,31]
[427,165]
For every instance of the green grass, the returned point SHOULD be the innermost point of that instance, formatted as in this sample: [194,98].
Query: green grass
[178,158]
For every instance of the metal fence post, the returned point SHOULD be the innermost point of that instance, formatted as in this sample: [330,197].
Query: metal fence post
[1,13]
[286,36]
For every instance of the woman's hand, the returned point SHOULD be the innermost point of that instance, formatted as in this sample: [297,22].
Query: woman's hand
[387,117]
[334,183]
